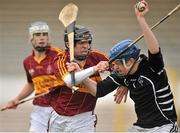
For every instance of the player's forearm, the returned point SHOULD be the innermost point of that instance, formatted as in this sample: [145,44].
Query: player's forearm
[79,76]
[149,36]
[25,92]
[91,85]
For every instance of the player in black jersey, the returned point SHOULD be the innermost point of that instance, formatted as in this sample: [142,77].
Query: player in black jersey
[145,77]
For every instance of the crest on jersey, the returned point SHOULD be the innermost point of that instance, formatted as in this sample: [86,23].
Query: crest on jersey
[31,72]
[49,69]
[140,80]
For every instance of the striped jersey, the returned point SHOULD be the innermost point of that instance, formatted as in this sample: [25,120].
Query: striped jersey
[40,73]
[149,89]
[63,101]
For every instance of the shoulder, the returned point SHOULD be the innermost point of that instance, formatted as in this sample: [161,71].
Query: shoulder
[143,62]
[61,56]
[56,50]
[28,58]
[98,55]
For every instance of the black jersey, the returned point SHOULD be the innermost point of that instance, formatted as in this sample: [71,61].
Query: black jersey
[149,89]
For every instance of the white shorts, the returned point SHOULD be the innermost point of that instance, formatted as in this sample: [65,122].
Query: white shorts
[84,122]
[39,119]
[168,128]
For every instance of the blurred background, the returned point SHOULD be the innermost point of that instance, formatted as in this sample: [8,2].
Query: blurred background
[110,21]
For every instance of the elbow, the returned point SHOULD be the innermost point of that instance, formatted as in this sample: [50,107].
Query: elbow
[154,50]
[99,93]
[93,93]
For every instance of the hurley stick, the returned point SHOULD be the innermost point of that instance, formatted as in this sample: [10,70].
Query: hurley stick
[26,100]
[68,17]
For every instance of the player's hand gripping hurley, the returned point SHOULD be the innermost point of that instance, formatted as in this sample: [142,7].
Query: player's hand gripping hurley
[68,17]
[26,100]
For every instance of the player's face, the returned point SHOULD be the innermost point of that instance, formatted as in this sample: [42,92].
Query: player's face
[118,67]
[82,48]
[40,39]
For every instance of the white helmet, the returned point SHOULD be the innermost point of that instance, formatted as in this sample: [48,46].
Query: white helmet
[38,27]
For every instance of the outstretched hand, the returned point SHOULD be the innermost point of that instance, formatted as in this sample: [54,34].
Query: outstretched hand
[121,93]
[10,105]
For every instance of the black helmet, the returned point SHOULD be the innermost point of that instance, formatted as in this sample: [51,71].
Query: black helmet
[81,34]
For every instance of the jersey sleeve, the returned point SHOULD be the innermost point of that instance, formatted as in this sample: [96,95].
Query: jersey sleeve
[29,78]
[156,61]
[107,85]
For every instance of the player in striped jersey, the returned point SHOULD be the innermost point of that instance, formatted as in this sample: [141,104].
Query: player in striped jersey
[145,77]
[40,76]
[74,112]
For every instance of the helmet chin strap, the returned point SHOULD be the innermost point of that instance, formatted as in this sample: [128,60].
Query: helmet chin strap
[80,57]
[131,67]
[127,67]
[118,74]
[40,49]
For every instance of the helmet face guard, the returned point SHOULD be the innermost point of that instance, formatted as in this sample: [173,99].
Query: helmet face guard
[81,34]
[120,51]
[86,36]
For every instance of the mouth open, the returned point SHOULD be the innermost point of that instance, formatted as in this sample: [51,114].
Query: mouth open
[41,42]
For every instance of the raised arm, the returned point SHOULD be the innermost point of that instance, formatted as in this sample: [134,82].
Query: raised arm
[149,36]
